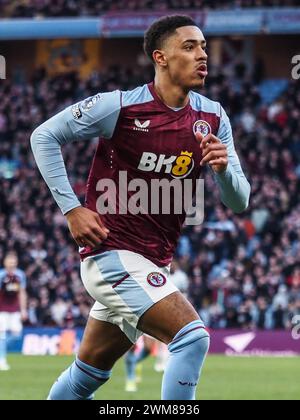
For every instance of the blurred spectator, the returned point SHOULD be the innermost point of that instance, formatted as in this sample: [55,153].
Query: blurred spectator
[179,278]
[59,311]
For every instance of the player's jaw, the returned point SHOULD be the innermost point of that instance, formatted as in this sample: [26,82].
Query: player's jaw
[192,72]
[193,75]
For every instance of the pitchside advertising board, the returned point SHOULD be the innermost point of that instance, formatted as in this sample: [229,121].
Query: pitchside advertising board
[133,24]
[51,341]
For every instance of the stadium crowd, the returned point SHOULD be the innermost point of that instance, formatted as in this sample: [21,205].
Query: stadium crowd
[44,8]
[243,270]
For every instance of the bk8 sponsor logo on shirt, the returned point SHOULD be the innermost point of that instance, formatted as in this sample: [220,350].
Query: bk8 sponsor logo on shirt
[177,166]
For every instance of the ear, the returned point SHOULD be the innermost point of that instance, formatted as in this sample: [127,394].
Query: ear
[159,58]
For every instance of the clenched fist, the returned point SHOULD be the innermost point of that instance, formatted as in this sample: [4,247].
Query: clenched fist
[214,152]
[86,227]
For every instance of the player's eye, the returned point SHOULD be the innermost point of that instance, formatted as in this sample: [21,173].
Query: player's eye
[188,47]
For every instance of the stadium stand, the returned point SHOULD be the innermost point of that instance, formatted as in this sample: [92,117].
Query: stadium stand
[58,8]
[244,270]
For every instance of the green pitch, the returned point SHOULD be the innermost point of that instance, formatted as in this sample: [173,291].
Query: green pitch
[223,379]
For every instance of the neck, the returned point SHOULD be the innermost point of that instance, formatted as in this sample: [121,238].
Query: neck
[172,95]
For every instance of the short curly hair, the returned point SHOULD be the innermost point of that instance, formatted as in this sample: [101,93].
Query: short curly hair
[162,29]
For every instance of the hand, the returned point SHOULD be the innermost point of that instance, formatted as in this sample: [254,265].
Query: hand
[86,227]
[214,152]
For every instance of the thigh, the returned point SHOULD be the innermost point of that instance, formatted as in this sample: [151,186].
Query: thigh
[103,344]
[167,317]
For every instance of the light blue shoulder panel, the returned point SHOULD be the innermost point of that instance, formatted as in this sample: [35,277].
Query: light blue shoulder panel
[140,95]
[203,104]
[93,117]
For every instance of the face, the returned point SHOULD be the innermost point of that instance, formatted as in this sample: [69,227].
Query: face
[184,57]
[10,263]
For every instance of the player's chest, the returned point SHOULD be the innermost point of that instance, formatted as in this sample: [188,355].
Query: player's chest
[161,144]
